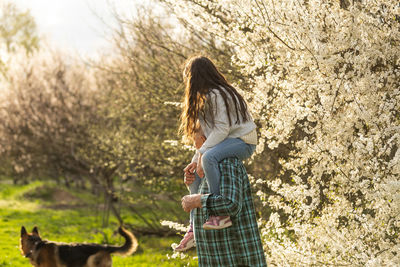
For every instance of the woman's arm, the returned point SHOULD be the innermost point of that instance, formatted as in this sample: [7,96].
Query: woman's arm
[229,202]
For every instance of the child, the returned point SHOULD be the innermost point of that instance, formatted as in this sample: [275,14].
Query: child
[223,116]
[188,240]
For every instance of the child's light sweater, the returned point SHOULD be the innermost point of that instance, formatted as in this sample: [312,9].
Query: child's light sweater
[221,129]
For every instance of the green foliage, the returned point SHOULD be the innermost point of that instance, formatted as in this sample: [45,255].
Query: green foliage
[17,29]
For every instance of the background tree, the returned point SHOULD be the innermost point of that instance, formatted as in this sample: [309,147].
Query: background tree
[17,28]
[48,104]
[110,125]
[141,85]
[17,33]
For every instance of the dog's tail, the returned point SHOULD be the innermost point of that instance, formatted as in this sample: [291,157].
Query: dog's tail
[130,245]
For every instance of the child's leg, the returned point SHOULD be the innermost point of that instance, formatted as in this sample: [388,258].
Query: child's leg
[230,147]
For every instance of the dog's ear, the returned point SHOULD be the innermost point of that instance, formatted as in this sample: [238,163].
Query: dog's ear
[23,231]
[35,231]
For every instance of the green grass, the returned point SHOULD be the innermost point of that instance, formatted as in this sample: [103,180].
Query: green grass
[33,205]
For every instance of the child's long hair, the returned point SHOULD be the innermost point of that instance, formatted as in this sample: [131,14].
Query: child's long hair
[201,76]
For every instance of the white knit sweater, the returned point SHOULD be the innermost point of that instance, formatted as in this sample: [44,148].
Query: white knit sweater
[222,130]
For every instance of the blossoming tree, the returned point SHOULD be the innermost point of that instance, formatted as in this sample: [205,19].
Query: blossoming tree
[325,85]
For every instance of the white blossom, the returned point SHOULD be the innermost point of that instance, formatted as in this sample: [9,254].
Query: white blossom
[336,70]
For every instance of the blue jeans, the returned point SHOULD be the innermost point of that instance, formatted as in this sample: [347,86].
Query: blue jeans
[230,147]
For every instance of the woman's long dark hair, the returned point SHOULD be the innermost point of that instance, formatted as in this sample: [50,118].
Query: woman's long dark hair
[201,76]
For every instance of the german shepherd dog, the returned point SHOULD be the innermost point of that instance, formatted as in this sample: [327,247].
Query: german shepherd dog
[43,253]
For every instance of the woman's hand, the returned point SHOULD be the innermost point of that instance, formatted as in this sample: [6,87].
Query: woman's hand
[190,202]
[189,178]
[189,173]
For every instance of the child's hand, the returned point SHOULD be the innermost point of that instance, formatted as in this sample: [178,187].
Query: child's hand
[199,169]
[199,140]
[190,168]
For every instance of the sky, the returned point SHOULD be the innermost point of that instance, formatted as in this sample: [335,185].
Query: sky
[75,24]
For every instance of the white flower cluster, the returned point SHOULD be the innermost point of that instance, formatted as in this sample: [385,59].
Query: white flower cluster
[174,225]
[325,81]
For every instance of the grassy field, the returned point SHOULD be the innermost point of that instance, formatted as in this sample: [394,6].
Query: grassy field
[60,216]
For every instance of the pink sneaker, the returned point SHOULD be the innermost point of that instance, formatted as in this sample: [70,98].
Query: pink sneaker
[186,243]
[217,222]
